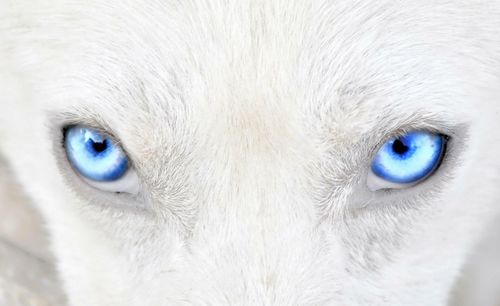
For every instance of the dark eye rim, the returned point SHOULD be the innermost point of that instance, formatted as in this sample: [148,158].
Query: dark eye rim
[365,194]
[91,198]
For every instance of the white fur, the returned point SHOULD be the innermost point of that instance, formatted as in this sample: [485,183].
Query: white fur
[251,125]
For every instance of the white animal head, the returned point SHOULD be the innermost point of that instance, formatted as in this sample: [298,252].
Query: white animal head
[251,127]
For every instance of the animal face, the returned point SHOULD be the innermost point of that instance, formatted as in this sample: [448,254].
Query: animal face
[263,143]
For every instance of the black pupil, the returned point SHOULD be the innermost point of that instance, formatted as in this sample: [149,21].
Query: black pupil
[100,147]
[399,147]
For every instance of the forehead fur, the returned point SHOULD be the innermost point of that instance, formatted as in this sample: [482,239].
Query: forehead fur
[255,66]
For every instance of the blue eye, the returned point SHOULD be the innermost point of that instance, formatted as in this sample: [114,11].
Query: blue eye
[410,158]
[95,156]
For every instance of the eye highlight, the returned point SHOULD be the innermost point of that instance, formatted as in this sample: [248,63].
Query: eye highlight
[407,160]
[99,160]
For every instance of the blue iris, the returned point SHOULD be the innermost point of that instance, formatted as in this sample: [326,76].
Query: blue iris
[410,158]
[94,155]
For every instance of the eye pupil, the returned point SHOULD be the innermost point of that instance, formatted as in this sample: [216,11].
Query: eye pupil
[99,147]
[399,147]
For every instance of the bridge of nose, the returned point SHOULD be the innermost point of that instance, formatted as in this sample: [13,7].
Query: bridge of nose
[258,229]
[256,220]
[258,174]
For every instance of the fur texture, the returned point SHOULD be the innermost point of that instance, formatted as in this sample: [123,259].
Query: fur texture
[251,125]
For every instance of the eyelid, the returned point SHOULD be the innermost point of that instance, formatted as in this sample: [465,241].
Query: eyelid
[401,125]
[105,133]
[375,183]
[129,183]
[441,129]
